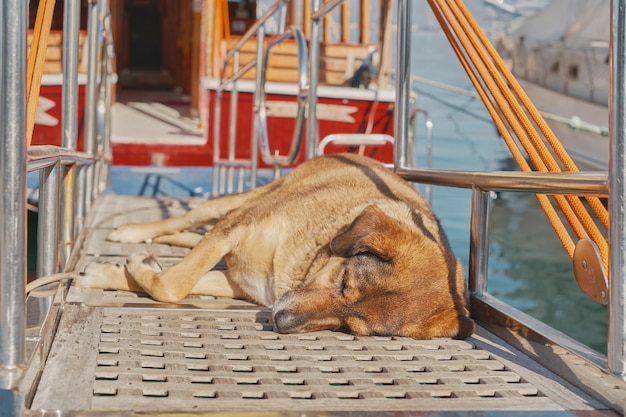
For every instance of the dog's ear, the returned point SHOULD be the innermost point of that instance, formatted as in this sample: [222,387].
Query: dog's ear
[369,232]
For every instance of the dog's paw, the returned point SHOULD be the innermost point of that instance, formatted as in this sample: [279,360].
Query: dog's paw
[131,233]
[140,262]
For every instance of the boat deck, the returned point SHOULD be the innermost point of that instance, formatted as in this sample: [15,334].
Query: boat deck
[120,351]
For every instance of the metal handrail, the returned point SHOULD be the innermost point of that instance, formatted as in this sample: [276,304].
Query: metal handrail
[43,156]
[303,93]
[573,183]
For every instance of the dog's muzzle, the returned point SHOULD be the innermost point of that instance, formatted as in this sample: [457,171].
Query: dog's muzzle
[285,321]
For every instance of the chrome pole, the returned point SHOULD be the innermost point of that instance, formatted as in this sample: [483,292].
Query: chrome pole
[314,70]
[87,175]
[69,120]
[616,348]
[232,123]
[403,83]
[479,242]
[48,228]
[71,26]
[254,144]
[13,24]
[13,19]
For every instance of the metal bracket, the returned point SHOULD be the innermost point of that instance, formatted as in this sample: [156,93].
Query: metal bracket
[589,271]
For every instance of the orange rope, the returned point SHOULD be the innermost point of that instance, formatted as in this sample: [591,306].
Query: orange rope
[575,214]
[544,202]
[558,148]
[36,61]
[455,19]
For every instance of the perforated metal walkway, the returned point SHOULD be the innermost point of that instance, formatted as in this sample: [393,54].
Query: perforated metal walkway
[122,351]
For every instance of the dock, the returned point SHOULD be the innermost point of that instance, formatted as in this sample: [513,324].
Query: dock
[123,351]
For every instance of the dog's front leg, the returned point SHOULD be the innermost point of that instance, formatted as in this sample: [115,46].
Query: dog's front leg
[175,283]
[109,276]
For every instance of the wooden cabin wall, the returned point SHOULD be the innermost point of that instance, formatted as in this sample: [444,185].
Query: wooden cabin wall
[341,56]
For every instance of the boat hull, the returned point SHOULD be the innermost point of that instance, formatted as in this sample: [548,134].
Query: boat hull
[340,110]
[48,119]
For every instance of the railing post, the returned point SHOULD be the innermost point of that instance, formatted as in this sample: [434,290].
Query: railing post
[403,83]
[479,242]
[617,191]
[69,121]
[314,75]
[232,123]
[13,28]
[87,175]
[48,228]
[254,150]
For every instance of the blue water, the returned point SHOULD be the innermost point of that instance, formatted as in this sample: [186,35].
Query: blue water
[528,267]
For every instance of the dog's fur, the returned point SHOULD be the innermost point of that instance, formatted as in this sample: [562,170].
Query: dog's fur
[339,243]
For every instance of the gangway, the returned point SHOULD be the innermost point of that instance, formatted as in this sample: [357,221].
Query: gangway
[73,351]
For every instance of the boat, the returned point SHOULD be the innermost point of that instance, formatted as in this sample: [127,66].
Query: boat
[73,351]
[560,55]
[354,95]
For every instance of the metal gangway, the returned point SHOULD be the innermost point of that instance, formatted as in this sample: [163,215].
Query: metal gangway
[71,351]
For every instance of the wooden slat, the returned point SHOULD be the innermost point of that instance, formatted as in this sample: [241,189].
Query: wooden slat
[345,22]
[306,5]
[365,21]
[338,61]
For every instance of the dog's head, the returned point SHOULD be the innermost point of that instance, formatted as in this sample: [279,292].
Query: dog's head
[384,276]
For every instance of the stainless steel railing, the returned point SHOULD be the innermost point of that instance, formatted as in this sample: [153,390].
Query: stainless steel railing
[63,196]
[275,159]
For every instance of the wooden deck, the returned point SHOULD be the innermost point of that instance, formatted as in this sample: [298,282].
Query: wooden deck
[119,351]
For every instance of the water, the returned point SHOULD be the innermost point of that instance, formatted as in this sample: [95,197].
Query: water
[528,267]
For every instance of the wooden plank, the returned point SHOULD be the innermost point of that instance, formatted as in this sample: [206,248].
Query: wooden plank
[307,19]
[345,22]
[384,71]
[327,29]
[364,36]
[338,61]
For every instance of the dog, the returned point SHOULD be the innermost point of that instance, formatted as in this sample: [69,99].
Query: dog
[340,243]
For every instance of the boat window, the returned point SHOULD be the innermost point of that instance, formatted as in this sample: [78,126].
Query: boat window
[242,14]
[573,71]
[555,68]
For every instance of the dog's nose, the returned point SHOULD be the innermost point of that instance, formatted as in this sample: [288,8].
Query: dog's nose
[285,321]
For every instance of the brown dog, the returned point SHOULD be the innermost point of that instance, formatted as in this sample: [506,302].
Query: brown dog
[339,243]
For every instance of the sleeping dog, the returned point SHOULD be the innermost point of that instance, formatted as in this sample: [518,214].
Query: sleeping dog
[339,243]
